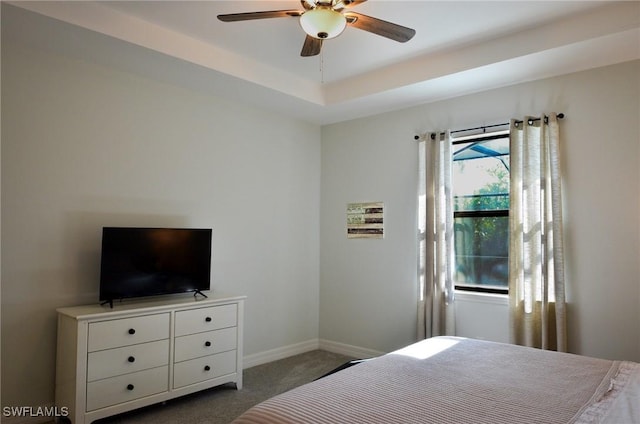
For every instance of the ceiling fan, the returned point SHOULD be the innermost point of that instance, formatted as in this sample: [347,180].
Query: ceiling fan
[325,19]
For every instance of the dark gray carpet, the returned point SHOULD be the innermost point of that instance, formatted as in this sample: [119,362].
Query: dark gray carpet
[223,404]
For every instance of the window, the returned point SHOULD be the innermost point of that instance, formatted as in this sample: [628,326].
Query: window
[481,212]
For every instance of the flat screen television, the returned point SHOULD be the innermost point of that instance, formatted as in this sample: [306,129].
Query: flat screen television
[137,262]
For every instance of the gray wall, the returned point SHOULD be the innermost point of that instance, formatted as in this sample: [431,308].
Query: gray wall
[368,287]
[85,146]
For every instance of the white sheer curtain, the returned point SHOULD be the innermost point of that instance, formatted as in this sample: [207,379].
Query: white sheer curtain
[436,307]
[536,256]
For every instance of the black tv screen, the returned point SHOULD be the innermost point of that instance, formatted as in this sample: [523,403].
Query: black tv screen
[138,262]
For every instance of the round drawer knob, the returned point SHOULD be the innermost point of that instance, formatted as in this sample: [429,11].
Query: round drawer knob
[132,331]
[131,359]
[208,319]
[207,344]
[129,386]
[207,368]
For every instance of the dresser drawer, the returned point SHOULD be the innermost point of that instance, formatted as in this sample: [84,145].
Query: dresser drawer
[206,319]
[204,344]
[127,331]
[127,359]
[201,369]
[124,388]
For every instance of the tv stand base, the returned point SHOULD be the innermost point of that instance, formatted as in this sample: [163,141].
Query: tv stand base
[198,292]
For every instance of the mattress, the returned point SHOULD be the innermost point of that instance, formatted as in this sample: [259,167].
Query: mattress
[458,380]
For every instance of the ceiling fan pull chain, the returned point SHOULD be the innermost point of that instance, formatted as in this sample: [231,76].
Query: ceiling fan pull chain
[321,67]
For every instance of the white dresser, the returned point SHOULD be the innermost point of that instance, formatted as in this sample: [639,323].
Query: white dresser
[112,360]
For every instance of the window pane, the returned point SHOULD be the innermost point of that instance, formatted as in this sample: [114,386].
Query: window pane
[481,209]
[481,175]
[481,251]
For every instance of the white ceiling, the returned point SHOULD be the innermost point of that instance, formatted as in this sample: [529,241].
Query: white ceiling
[460,47]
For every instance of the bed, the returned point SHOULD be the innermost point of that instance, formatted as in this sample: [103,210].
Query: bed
[458,380]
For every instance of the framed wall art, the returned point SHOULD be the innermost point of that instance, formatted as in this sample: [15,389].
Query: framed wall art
[365,220]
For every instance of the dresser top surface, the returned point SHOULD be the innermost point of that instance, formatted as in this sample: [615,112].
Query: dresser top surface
[150,305]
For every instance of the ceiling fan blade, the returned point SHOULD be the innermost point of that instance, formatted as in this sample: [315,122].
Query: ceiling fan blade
[378,26]
[308,4]
[341,4]
[234,17]
[311,46]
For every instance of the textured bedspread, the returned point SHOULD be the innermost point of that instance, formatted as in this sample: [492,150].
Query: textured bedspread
[454,380]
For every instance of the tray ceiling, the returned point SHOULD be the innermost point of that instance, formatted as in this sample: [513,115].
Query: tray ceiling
[460,47]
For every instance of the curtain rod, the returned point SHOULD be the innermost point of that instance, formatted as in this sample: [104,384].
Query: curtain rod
[484,128]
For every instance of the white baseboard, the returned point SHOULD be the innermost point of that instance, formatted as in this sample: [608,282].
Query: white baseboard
[303,347]
[279,353]
[349,350]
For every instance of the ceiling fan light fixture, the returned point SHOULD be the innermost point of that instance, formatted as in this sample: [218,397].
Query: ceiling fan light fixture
[323,22]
